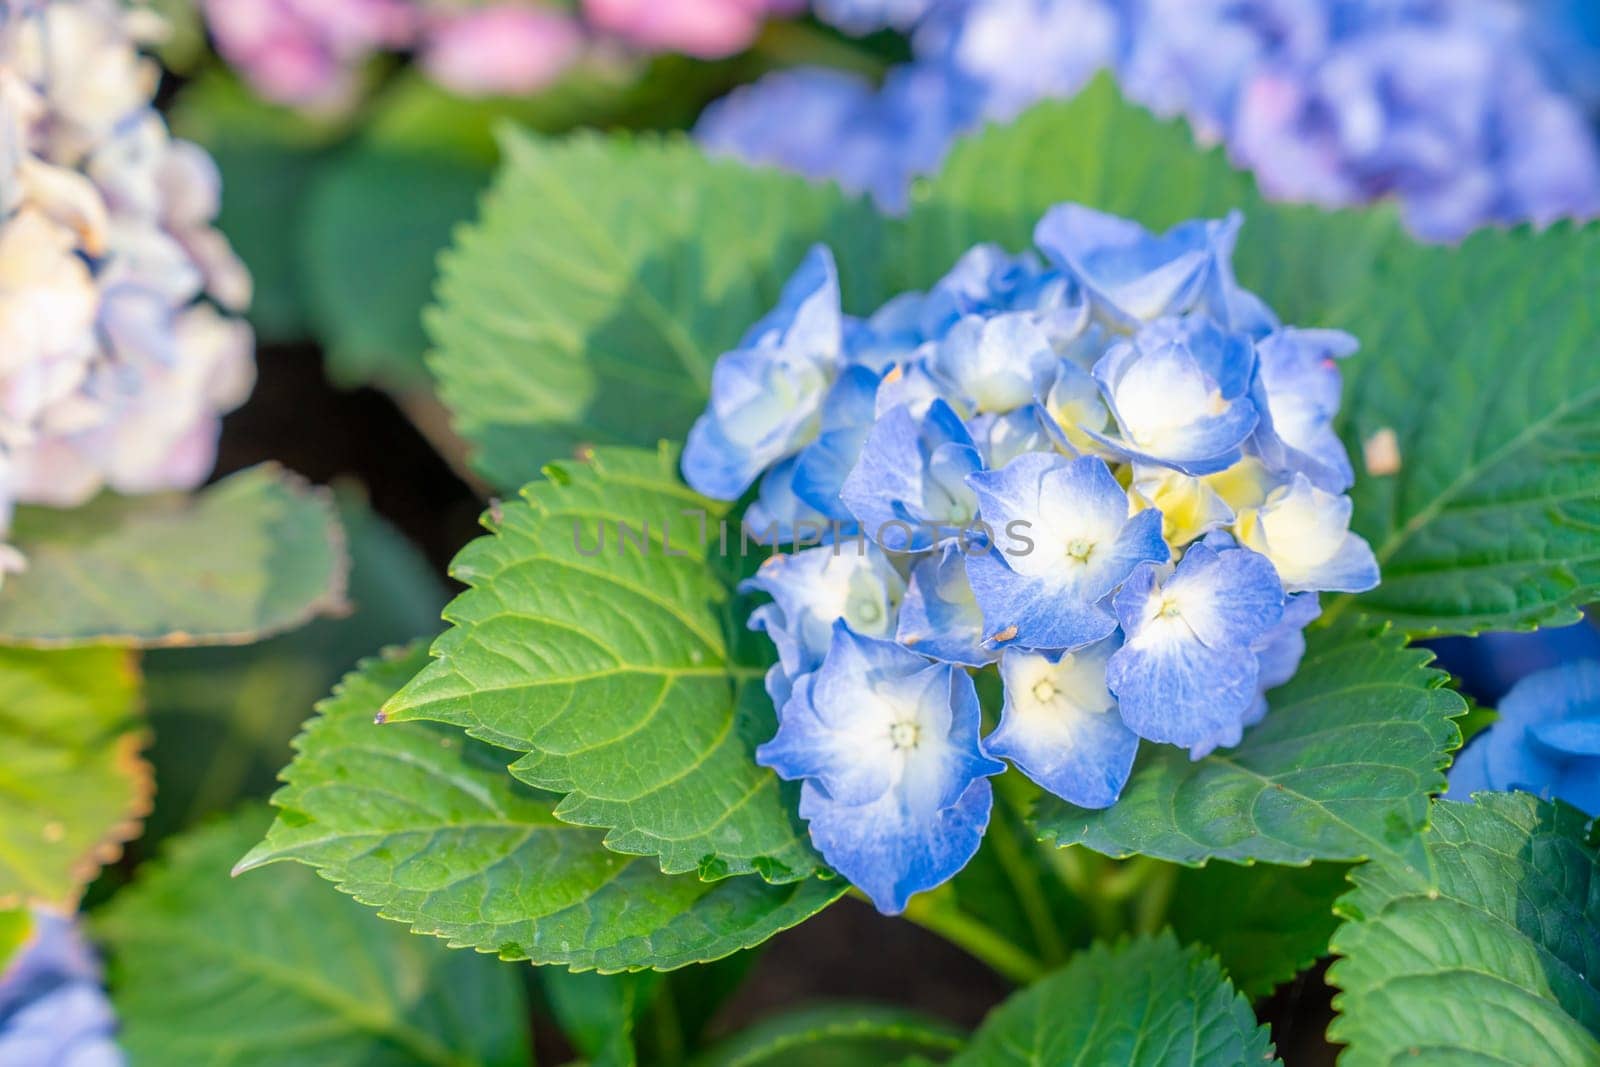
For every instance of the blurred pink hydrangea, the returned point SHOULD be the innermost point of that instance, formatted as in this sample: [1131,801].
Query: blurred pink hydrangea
[502,49]
[309,53]
[305,53]
[120,341]
[704,28]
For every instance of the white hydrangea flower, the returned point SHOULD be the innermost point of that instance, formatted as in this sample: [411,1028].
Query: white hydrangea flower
[120,341]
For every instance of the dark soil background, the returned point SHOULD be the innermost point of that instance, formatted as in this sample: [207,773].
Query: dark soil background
[849,952]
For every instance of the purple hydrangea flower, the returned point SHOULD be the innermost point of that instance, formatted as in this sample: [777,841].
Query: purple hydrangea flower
[119,300]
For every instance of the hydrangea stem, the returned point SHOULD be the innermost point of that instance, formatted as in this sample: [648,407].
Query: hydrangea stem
[937,913]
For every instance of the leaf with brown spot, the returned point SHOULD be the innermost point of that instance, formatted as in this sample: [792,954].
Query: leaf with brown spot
[258,553]
[73,785]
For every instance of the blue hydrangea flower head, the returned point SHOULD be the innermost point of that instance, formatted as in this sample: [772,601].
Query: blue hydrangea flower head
[1084,543]
[52,1008]
[896,790]
[1546,740]
[766,395]
[1107,474]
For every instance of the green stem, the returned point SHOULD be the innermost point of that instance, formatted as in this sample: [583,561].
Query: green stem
[1024,879]
[1150,909]
[667,1027]
[935,913]
[1124,881]
[1081,871]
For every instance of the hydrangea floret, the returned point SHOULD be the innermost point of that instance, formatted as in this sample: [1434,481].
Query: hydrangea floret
[1102,469]
[1546,740]
[121,344]
[52,1007]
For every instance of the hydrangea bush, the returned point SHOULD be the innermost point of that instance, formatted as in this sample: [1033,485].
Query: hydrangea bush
[1051,565]
[1115,476]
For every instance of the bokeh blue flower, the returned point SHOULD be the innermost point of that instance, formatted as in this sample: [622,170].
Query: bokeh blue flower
[1546,740]
[52,1007]
[1467,111]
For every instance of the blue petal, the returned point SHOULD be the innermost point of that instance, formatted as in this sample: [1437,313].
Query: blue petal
[994,364]
[852,581]
[1304,531]
[889,336]
[1163,388]
[1298,389]
[1228,598]
[1060,725]
[1537,715]
[1172,686]
[1131,275]
[890,851]
[808,315]
[1573,737]
[1279,650]
[765,395]
[778,516]
[911,478]
[1002,438]
[1470,772]
[1033,612]
[940,616]
[847,415]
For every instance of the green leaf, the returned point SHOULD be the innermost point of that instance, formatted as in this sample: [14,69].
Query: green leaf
[841,1035]
[274,969]
[1145,1001]
[627,678]
[603,279]
[1493,958]
[255,554]
[426,826]
[1481,360]
[73,786]
[16,927]
[224,717]
[1340,769]
[1095,149]
[375,221]
[1266,924]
